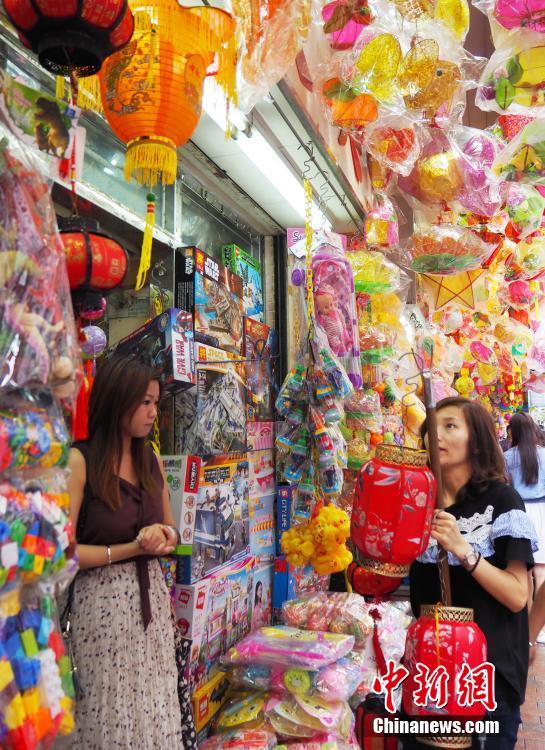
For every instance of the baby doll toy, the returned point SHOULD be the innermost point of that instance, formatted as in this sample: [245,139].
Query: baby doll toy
[329,316]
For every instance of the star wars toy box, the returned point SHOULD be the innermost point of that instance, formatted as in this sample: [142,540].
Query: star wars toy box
[166,344]
[222,523]
[213,294]
[260,351]
[291,583]
[214,614]
[211,419]
[182,474]
[249,269]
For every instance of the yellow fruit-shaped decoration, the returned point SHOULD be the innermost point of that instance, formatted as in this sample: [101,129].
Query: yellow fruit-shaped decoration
[528,68]
[455,16]
[487,373]
[378,66]
[438,177]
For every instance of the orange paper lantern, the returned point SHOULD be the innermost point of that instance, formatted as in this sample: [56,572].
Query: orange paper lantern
[152,89]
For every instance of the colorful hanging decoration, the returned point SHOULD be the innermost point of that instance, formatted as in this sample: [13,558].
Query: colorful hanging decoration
[71,36]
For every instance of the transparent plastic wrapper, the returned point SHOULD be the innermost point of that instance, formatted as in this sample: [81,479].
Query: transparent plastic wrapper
[270,37]
[39,343]
[375,274]
[241,739]
[244,712]
[344,21]
[452,14]
[33,432]
[38,691]
[476,153]
[523,160]
[515,14]
[520,294]
[395,141]
[305,716]
[363,412]
[514,78]
[36,535]
[376,343]
[381,226]
[337,681]
[289,647]
[445,249]
[527,260]
[320,742]
[333,611]
[524,206]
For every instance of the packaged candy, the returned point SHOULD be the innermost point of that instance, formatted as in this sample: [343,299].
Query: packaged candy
[523,159]
[244,712]
[445,249]
[333,611]
[241,739]
[304,716]
[289,647]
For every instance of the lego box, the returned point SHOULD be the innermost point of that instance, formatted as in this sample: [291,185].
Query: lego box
[262,596]
[166,344]
[207,700]
[291,583]
[213,293]
[222,530]
[211,419]
[249,269]
[260,435]
[262,540]
[284,500]
[182,473]
[260,349]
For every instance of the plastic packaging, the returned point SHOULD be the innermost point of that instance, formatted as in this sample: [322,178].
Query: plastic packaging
[289,647]
[332,611]
[445,249]
[523,160]
[304,716]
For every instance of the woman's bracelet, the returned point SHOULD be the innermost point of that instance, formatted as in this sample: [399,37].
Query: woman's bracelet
[109,553]
[176,532]
[532,643]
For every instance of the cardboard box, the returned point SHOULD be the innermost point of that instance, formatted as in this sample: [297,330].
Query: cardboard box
[262,472]
[261,353]
[166,344]
[222,530]
[216,613]
[262,596]
[213,294]
[183,473]
[284,500]
[291,583]
[260,435]
[211,419]
[208,699]
[262,537]
[249,269]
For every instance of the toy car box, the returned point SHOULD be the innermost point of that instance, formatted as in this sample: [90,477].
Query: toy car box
[290,583]
[166,344]
[249,269]
[182,474]
[260,351]
[215,613]
[213,294]
[222,529]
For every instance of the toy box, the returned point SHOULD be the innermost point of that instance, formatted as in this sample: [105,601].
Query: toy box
[166,344]
[216,613]
[249,269]
[262,596]
[262,540]
[259,435]
[284,499]
[211,419]
[262,475]
[290,583]
[208,699]
[213,293]
[182,473]
[261,351]
[222,530]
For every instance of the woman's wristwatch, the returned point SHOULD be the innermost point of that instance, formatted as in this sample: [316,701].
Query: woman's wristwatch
[471,560]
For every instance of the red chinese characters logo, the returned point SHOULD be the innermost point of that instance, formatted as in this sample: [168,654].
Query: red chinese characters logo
[390,681]
[476,685]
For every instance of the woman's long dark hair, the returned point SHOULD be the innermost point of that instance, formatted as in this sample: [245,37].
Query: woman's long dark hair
[485,454]
[524,437]
[120,386]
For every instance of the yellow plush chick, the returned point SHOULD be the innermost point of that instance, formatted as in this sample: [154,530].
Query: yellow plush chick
[464,384]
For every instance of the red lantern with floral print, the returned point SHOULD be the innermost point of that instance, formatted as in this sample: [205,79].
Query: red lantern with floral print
[71,35]
[96,263]
[367,583]
[393,509]
[446,655]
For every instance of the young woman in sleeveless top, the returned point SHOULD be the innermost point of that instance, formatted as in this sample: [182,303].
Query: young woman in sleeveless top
[121,625]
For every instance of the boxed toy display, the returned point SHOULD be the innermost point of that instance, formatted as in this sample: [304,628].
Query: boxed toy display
[211,419]
[216,612]
[182,474]
[262,541]
[291,583]
[262,596]
[208,699]
[284,499]
[262,473]
[222,517]
[259,435]
[166,344]
[249,268]
[213,293]
[260,349]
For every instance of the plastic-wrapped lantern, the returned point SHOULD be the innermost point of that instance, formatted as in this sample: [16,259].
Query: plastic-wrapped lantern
[96,263]
[344,20]
[445,637]
[393,508]
[71,36]
[94,341]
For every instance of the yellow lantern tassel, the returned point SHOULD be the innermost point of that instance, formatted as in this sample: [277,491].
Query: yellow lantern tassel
[59,87]
[145,254]
[149,159]
[89,94]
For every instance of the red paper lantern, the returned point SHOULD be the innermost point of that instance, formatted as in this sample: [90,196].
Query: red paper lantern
[71,35]
[367,583]
[444,637]
[393,509]
[96,263]
[368,710]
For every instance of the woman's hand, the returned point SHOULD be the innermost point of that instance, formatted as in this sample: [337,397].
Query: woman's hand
[444,529]
[156,539]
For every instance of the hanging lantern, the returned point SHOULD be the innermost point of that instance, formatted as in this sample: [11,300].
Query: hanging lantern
[96,263]
[71,36]
[152,89]
[393,508]
[447,637]
[368,583]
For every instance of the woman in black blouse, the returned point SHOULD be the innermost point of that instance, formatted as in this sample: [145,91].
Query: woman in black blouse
[489,540]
